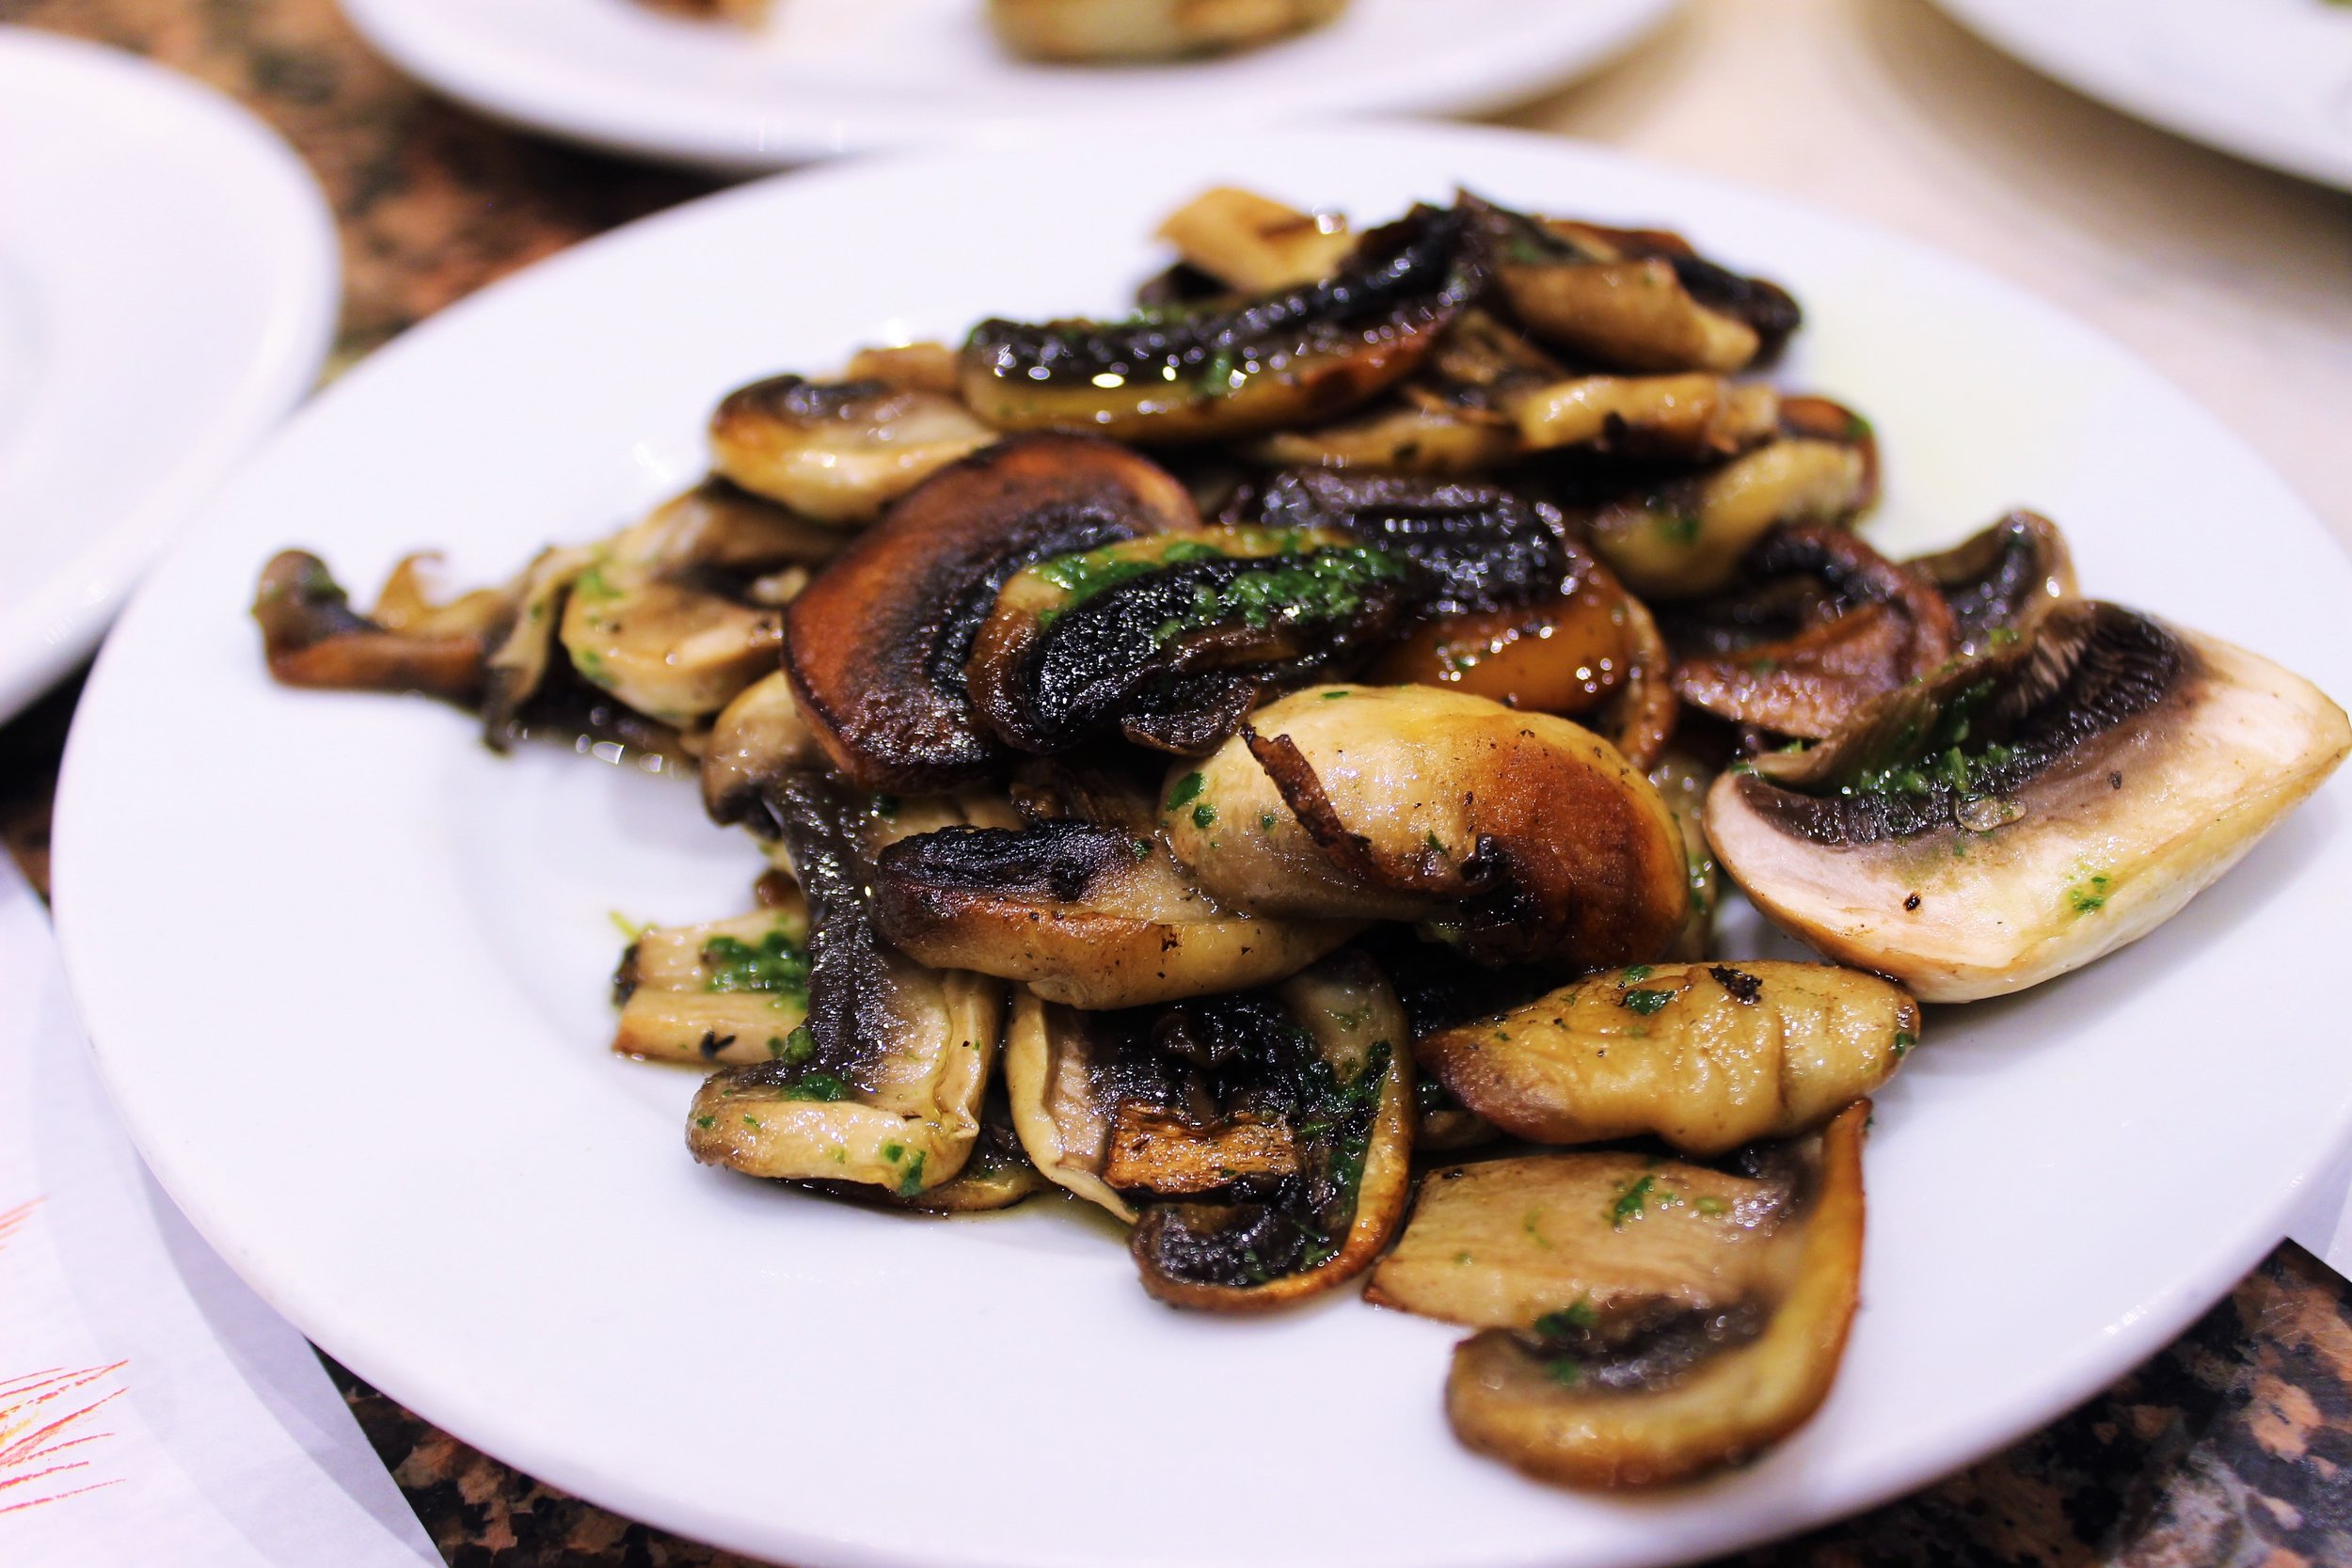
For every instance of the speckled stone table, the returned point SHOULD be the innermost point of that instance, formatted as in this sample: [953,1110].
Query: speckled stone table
[2230,1448]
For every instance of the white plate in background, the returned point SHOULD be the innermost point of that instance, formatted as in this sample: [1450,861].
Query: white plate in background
[829,77]
[168,282]
[346,970]
[2269,80]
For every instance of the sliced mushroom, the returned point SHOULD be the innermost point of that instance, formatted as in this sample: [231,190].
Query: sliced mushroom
[1706,1057]
[1633,299]
[1396,437]
[1684,1318]
[1479,546]
[1691,417]
[756,739]
[1252,244]
[1076,31]
[1440,988]
[997,1176]
[1684,538]
[518,665]
[2002,582]
[876,646]
[838,451]
[1520,836]
[928,366]
[1062,1074]
[1169,639]
[1290,357]
[881,1081]
[1682,780]
[674,654]
[1826,625]
[310,634]
[1086,914]
[727,991]
[2023,814]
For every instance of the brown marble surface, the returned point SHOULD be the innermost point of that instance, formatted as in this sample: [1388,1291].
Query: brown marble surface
[2231,1446]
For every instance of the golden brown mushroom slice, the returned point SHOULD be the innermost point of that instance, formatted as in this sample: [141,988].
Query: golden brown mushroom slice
[1684,538]
[756,739]
[1691,417]
[1706,1056]
[1080,31]
[882,1083]
[1682,780]
[1294,355]
[2001,582]
[1682,1318]
[2021,814]
[728,991]
[310,636]
[1520,836]
[1633,299]
[1253,244]
[838,451]
[1084,913]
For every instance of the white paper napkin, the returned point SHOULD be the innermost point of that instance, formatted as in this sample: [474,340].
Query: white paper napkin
[152,1408]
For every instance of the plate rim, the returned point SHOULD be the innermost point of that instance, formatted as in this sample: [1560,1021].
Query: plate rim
[60,621]
[562,101]
[2127,92]
[2184,1297]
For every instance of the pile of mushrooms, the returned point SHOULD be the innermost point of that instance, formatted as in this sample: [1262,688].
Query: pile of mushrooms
[1265,767]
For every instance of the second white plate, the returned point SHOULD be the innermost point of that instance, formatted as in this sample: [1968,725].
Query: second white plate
[346,971]
[2269,80]
[828,76]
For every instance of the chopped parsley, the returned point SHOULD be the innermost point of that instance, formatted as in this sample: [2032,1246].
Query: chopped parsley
[1629,1202]
[1645,1002]
[2089,895]
[1904,1040]
[1186,791]
[1203,813]
[1570,1319]
[777,966]
[911,1178]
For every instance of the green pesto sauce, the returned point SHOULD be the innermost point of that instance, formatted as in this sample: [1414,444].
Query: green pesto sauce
[1327,585]
[1091,572]
[777,966]
[1943,758]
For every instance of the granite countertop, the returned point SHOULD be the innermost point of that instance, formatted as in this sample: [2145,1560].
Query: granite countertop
[2231,1446]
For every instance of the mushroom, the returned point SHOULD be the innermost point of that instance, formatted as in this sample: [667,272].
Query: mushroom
[996,1176]
[310,636]
[726,990]
[1440,988]
[2021,814]
[1639,1322]
[876,645]
[1826,625]
[1682,780]
[1252,244]
[1396,437]
[674,654]
[1706,1057]
[1291,356]
[1479,546]
[2000,582]
[1633,299]
[838,451]
[1259,1139]
[1086,914]
[1076,31]
[882,1083]
[1691,416]
[1168,640]
[1684,538]
[1519,835]
[520,663]
[756,739]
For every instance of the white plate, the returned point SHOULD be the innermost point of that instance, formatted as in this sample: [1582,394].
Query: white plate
[346,970]
[828,76]
[168,285]
[2269,80]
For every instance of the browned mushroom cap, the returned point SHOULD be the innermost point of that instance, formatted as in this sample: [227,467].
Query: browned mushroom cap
[2021,815]
[876,646]
[2001,582]
[838,452]
[1639,1322]
[1089,914]
[1633,299]
[1295,355]
[1823,625]
[1706,1057]
[726,991]
[1520,835]
[881,1081]
[1684,538]
[1168,640]
[1080,30]
[310,634]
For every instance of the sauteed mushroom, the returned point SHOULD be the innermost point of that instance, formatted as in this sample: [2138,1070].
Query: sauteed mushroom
[1520,836]
[727,991]
[838,451]
[1690,418]
[876,646]
[1639,1322]
[882,1083]
[756,739]
[2002,582]
[1252,244]
[1635,299]
[2023,814]
[1683,538]
[1306,353]
[1077,30]
[310,634]
[1706,1057]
